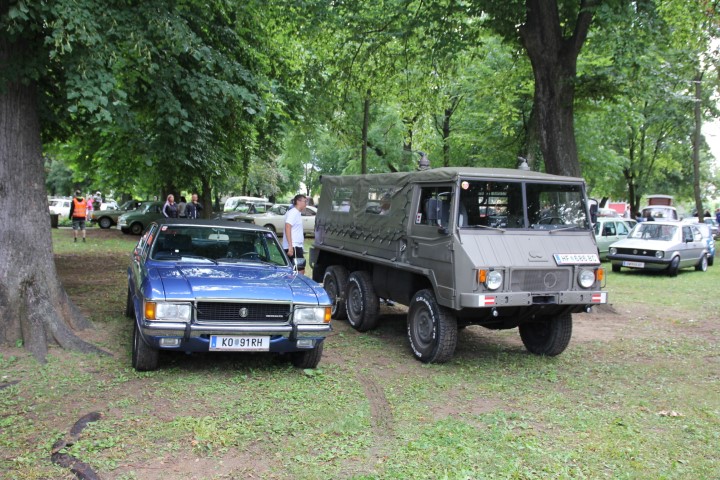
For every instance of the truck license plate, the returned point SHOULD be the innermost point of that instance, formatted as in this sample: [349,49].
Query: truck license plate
[246,344]
[633,264]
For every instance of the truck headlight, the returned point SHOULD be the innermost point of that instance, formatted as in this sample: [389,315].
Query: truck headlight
[494,280]
[312,315]
[586,278]
[659,254]
[168,312]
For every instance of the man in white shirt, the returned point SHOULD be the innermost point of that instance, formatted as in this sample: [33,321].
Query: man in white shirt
[294,238]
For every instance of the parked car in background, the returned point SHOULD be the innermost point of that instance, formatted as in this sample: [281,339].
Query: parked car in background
[609,230]
[607,212]
[60,206]
[217,286]
[274,219]
[657,245]
[109,217]
[251,208]
[709,221]
[135,221]
[232,202]
[706,231]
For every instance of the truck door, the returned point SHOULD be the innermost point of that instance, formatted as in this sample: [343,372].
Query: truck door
[431,239]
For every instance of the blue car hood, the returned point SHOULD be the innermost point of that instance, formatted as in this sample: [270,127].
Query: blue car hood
[236,282]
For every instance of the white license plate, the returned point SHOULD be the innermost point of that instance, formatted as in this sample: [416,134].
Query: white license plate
[633,264]
[245,344]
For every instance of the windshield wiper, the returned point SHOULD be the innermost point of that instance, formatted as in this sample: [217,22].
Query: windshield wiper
[485,226]
[566,228]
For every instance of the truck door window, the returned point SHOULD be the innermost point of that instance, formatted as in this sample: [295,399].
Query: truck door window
[434,206]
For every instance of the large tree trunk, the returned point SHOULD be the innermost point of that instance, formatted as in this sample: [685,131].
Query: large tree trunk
[34,307]
[365,128]
[206,198]
[554,63]
[696,145]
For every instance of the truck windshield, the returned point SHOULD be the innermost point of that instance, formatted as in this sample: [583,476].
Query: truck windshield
[502,205]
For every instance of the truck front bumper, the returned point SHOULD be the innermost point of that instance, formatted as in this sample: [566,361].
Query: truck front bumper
[521,299]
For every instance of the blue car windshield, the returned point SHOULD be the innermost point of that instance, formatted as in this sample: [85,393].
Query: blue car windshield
[216,245]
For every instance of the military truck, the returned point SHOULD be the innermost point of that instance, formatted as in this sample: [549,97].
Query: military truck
[500,248]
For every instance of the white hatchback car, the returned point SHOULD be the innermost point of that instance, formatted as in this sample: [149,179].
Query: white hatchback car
[274,219]
[667,246]
[60,206]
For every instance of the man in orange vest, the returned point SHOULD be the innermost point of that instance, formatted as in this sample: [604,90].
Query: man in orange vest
[78,214]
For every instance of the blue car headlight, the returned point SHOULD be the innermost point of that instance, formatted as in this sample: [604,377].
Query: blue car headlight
[312,315]
[168,311]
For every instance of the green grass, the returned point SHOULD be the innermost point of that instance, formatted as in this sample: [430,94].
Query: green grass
[641,404]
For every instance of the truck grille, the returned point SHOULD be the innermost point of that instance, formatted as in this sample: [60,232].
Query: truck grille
[540,280]
[242,312]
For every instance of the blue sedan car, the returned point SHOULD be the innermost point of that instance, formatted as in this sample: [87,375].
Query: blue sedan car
[218,286]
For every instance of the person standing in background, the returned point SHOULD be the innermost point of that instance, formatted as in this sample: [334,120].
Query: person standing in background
[294,237]
[90,208]
[192,209]
[78,214]
[170,209]
[182,204]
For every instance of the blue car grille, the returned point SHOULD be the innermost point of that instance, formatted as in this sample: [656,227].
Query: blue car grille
[242,312]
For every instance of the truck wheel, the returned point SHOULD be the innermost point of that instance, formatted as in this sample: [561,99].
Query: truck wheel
[144,358]
[702,264]
[361,302]
[549,336]
[307,358]
[335,282]
[432,329]
[674,267]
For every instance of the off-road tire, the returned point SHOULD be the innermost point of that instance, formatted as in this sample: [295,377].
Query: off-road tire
[432,329]
[105,222]
[361,302]
[335,282]
[144,358]
[548,336]
[702,264]
[307,358]
[674,267]
[129,307]
[136,228]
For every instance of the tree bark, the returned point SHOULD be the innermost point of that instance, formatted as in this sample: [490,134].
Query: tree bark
[696,145]
[554,62]
[34,307]
[206,198]
[365,128]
